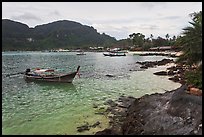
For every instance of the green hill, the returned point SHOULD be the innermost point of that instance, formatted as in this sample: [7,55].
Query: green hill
[55,35]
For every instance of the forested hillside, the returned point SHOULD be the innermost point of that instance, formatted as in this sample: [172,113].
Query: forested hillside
[60,34]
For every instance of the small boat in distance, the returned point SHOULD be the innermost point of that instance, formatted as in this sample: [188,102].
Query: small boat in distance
[114,53]
[38,75]
[81,53]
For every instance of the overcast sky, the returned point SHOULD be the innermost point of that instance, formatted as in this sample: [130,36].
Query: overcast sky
[117,19]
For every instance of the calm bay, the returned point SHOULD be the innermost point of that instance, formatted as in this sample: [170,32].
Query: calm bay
[59,108]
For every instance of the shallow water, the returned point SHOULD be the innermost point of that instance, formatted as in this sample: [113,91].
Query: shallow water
[59,108]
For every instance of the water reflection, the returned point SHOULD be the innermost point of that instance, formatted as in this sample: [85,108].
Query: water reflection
[55,86]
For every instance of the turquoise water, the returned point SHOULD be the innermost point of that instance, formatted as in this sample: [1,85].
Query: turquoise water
[59,108]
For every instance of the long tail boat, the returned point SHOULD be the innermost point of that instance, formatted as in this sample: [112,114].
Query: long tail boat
[112,54]
[38,76]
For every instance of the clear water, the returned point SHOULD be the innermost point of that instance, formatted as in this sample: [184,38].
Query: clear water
[59,108]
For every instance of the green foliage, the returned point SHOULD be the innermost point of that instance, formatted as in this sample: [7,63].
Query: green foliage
[159,42]
[194,78]
[138,39]
[191,41]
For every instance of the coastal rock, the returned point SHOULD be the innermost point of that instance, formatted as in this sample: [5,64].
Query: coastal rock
[87,126]
[95,105]
[164,62]
[95,124]
[171,113]
[106,132]
[195,91]
[171,72]
[110,103]
[161,73]
[151,64]
[144,67]
[109,75]
[175,78]
[83,127]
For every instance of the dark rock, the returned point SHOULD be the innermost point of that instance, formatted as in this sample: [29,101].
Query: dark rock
[110,102]
[164,61]
[99,113]
[83,127]
[95,124]
[161,73]
[109,75]
[175,78]
[147,64]
[144,67]
[171,113]
[171,72]
[106,132]
[95,105]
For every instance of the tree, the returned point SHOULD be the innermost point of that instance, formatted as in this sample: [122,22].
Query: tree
[151,36]
[191,41]
[174,38]
[167,36]
[138,39]
[159,42]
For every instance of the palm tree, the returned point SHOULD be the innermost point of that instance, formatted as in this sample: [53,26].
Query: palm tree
[167,36]
[151,36]
[174,38]
[191,41]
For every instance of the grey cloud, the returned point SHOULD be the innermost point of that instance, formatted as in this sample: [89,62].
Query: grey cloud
[151,5]
[148,27]
[148,5]
[129,20]
[55,13]
[26,16]
[171,17]
[119,33]
[119,19]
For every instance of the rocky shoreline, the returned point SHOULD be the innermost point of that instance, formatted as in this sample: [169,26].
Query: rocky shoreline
[176,112]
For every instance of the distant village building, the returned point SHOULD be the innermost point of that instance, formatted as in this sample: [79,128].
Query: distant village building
[136,48]
[164,48]
[96,48]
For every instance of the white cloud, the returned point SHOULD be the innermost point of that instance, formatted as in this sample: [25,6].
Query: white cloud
[118,19]
[26,16]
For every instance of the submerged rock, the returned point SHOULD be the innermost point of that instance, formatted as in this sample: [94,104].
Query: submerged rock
[161,73]
[83,127]
[87,126]
[109,75]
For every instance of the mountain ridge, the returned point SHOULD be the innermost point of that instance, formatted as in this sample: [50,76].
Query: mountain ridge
[54,35]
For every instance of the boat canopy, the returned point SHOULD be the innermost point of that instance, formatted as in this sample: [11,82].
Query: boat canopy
[44,70]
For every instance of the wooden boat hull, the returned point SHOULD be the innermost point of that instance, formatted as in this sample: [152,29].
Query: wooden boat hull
[63,78]
[66,78]
[114,55]
[81,53]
